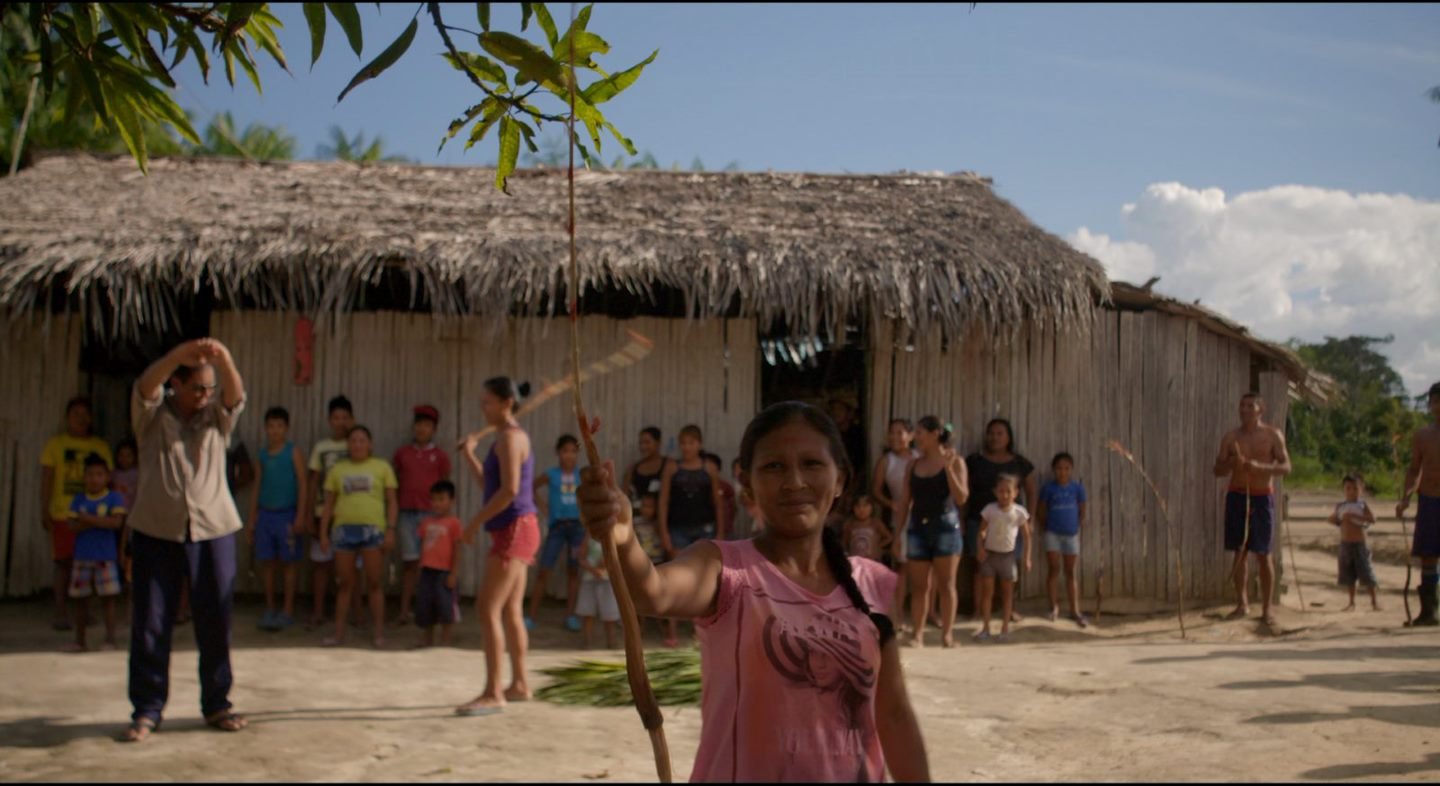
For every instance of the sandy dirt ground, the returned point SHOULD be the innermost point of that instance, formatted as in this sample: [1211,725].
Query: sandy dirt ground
[1331,696]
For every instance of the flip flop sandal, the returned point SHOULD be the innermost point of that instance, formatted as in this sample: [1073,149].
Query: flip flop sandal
[226,721]
[139,730]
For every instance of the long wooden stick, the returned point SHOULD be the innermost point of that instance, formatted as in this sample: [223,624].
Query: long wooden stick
[1404,533]
[1120,449]
[1290,546]
[634,351]
[645,703]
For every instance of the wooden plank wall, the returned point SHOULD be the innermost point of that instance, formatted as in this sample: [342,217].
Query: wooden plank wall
[39,372]
[386,362]
[1162,386]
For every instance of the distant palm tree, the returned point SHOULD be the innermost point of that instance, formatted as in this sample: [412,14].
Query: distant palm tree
[257,142]
[345,148]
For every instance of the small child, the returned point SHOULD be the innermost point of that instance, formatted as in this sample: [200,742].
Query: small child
[1060,514]
[125,480]
[435,597]
[277,516]
[324,455]
[1353,517]
[596,594]
[645,527]
[1000,523]
[864,535]
[96,514]
[647,534]
[728,508]
[565,534]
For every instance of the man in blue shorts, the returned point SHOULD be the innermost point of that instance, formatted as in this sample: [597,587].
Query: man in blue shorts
[1424,475]
[1252,455]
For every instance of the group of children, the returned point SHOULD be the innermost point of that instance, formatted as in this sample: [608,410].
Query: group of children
[85,506]
[348,502]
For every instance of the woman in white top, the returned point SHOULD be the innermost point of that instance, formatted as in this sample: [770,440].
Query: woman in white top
[887,485]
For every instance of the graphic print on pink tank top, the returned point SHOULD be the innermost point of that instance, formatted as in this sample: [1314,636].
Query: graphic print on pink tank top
[792,676]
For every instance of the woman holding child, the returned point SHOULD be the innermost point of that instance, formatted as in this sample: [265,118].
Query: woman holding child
[998,457]
[509,516]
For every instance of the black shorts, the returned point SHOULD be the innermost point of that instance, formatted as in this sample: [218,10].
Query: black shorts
[1255,536]
[435,603]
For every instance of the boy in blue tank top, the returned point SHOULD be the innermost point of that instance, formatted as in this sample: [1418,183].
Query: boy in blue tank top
[559,508]
[277,516]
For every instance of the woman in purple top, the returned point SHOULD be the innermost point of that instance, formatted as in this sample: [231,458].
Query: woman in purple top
[509,516]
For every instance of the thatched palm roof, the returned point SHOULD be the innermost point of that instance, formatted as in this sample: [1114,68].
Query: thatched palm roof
[813,250]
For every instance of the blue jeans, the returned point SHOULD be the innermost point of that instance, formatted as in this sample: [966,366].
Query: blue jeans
[160,569]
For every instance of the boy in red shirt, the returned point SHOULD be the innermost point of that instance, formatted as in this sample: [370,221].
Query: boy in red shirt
[435,597]
[418,467]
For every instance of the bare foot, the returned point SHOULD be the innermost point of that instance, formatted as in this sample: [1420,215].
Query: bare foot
[1377,607]
[1268,619]
[947,641]
[225,720]
[1239,612]
[1054,613]
[481,705]
[74,647]
[332,641]
[1351,607]
[521,693]
[137,731]
[108,646]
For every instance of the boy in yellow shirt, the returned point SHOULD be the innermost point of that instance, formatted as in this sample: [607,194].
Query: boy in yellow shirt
[62,476]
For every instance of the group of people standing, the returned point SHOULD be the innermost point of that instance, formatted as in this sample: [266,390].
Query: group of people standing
[802,678]
[945,509]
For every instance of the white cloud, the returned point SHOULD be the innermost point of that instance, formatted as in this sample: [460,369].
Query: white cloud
[1292,261]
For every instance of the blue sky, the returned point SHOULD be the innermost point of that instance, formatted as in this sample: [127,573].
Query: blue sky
[1076,111]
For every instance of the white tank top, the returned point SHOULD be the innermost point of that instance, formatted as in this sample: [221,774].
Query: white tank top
[895,479]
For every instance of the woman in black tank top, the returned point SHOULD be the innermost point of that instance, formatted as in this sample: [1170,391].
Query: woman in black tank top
[638,483]
[935,489]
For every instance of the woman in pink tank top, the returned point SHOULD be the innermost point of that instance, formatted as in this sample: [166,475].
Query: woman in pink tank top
[801,680]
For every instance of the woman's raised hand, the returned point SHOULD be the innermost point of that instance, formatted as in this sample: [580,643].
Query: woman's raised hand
[604,509]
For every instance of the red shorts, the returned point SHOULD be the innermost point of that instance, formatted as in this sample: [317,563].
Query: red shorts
[62,541]
[520,540]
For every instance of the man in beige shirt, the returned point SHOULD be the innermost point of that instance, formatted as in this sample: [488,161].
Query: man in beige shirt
[185,523]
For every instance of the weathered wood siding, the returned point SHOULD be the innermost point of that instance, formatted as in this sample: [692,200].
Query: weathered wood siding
[1161,385]
[387,362]
[39,372]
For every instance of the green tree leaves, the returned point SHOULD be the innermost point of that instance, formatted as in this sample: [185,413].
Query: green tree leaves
[386,59]
[112,60]
[1355,433]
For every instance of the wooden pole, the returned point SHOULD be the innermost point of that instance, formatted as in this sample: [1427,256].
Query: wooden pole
[645,703]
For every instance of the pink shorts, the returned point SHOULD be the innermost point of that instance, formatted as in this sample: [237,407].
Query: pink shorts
[520,540]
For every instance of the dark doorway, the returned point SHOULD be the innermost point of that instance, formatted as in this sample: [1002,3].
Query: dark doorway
[828,374]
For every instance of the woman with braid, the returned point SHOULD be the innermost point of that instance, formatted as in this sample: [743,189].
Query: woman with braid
[801,679]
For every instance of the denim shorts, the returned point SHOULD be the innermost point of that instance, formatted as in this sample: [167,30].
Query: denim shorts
[356,537]
[566,535]
[1069,545]
[407,531]
[927,539]
[681,540]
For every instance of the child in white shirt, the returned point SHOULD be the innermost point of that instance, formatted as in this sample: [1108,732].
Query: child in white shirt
[1000,523]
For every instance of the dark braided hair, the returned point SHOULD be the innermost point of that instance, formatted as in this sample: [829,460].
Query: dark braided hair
[772,418]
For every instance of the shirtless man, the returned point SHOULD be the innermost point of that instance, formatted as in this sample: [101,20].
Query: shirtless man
[1251,455]
[1424,474]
